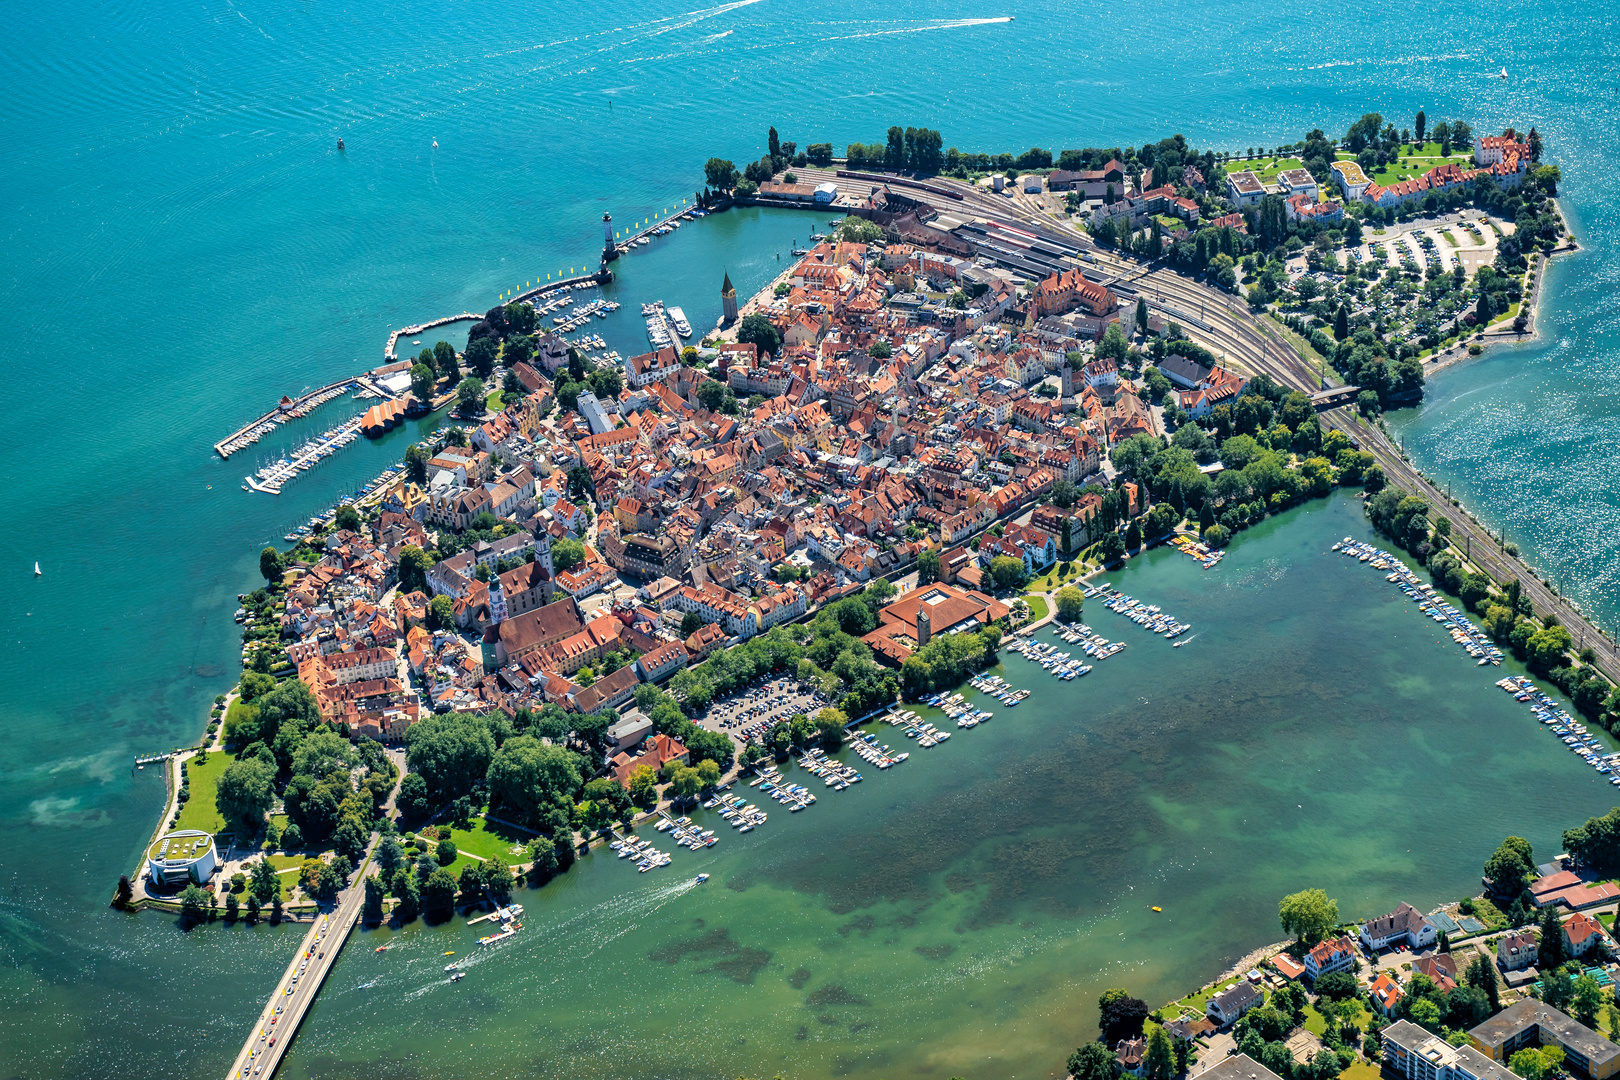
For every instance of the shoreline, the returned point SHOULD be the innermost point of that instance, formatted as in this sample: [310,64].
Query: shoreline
[764,297]
[1530,306]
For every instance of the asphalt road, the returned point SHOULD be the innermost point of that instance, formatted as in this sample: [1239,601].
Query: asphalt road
[320,948]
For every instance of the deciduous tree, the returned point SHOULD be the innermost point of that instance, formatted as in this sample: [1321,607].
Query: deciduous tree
[1309,915]
[1070,601]
[244,794]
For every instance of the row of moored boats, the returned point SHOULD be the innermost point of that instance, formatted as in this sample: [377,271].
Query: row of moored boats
[1061,665]
[926,734]
[579,316]
[272,478]
[1574,734]
[383,479]
[1474,641]
[643,852]
[506,917]
[1148,616]
[1205,554]
[264,427]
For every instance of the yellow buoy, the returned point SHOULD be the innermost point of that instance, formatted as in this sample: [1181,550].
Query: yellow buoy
[1158,909]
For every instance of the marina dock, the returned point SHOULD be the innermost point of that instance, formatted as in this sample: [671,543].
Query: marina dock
[272,478]
[288,409]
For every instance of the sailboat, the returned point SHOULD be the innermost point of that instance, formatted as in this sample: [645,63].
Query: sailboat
[36,569]
[1503,75]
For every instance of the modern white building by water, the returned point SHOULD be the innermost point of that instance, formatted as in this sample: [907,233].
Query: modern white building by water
[180,858]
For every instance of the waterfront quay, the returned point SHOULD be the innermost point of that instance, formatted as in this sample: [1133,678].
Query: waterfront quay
[408,331]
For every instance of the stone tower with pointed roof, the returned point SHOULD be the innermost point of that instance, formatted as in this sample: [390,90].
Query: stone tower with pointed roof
[728,300]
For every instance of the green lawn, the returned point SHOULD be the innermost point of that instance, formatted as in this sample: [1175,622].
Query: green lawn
[1037,608]
[199,811]
[1316,1025]
[1406,166]
[1054,578]
[1266,168]
[494,403]
[1450,239]
[487,840]
[1361,1070]
[1194,1003]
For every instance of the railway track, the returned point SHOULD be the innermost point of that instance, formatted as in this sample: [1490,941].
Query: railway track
[1224,322]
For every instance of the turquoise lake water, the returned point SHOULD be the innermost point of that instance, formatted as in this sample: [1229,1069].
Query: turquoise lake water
[186,244]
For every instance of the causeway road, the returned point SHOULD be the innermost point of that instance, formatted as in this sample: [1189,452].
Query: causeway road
[295,991]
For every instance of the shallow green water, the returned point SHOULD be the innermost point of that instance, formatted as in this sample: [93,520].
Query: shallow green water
[186,245]
[959,914]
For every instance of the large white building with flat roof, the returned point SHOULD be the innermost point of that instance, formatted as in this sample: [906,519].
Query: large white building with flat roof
[187,857]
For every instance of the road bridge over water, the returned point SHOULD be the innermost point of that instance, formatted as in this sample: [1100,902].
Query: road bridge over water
[274,1027]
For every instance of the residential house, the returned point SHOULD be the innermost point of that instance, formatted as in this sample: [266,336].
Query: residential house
[1403,926]
[1335,954]
[1582,933]
[1441,968]
[1516,950]
[660,750]
[1225,1007]
[1385,993]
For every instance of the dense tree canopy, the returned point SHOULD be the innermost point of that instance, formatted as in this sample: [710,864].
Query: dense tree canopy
[757,330]
[451,752]
[527,775]
[244,794]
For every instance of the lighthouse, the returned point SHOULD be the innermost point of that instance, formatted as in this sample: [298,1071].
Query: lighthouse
[610,250]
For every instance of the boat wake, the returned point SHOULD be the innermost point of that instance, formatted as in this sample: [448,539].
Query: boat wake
[942,24]
[580,936]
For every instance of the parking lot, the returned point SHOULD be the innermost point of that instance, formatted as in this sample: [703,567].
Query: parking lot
[1419,240]
[756,710]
